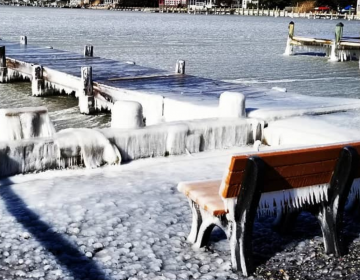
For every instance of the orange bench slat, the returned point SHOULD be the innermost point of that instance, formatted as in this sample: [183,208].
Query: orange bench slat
[205,194]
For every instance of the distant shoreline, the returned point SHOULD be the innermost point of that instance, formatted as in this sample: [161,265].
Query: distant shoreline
[211,11]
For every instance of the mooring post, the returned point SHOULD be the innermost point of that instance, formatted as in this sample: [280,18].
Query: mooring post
[86,94]
[89,51]
[37,81]
[334,47]
[339,32]
[180,67]
[289,48]
[3,68]
[23,40]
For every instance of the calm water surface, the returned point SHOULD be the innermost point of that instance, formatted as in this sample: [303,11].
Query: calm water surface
[233,48]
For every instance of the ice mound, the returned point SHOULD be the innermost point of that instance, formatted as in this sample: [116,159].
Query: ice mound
[85,145]
[127,114]
[25,123]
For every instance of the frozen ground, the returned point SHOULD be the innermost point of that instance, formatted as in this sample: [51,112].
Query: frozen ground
[130,222]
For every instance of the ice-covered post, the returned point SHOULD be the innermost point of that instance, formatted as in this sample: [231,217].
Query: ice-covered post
[232,105]
[23,40]
[127,115]
[89,51]
[289,48]
[3,68]
[334,47]
[180,67]
[37,82]
[85,94]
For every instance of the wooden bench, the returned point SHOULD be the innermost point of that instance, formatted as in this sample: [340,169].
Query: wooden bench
[319,178]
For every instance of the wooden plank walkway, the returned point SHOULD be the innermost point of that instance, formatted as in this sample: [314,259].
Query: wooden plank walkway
[164,95]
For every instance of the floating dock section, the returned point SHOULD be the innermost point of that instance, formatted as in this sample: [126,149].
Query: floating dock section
[340,48]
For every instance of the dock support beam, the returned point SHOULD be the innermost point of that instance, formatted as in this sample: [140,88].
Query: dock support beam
[89,51]
[23,40]
[334,56]
[85,93]
[289,48]
[37,81]
[180,67]
[3,68]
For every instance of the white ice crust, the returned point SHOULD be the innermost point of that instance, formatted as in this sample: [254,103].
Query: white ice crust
[232,105]
[127,115]
[25,123]
[91,145]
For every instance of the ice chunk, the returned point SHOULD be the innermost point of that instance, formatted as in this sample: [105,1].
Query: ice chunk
[93,148]
[127,114]
[25,123]
[232,105]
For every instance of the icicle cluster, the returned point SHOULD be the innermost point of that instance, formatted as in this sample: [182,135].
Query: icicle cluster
[271,202]
[324,49]
[86,146]
[25,123]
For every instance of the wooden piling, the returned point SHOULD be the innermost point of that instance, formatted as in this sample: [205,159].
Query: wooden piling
[339,32]
[3,68]
[85,93]
[89,51]
[334,56]
[180,67]
[37,81]
[23,40]
[289,48]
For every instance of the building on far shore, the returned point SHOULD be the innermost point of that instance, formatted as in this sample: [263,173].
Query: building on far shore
[358,8]
[245,3]
[172,3]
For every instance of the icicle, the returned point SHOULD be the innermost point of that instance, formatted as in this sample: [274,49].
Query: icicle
[25,123]
[293,198]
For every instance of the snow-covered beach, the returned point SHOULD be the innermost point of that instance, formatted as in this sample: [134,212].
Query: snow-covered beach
[130,222]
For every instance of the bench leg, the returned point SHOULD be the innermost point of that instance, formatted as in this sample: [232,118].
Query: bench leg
[204,233]
[196,221]
[331,212]
[245,212]
[208,222]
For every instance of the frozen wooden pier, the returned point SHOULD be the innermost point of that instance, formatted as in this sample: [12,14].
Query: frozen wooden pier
[339,48]
[165,96]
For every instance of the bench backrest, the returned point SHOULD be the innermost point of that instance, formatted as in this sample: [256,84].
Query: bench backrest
[288,169]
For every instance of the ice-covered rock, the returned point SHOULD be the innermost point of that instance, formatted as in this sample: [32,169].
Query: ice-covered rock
[25,123]
[232,105]
[127,114]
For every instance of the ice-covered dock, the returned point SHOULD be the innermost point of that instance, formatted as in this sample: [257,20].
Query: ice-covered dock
[338,48]
[164,96]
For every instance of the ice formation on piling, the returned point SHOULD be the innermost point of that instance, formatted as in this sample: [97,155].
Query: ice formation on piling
[232,105]
[85,145]
[25,123]
[127,115]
